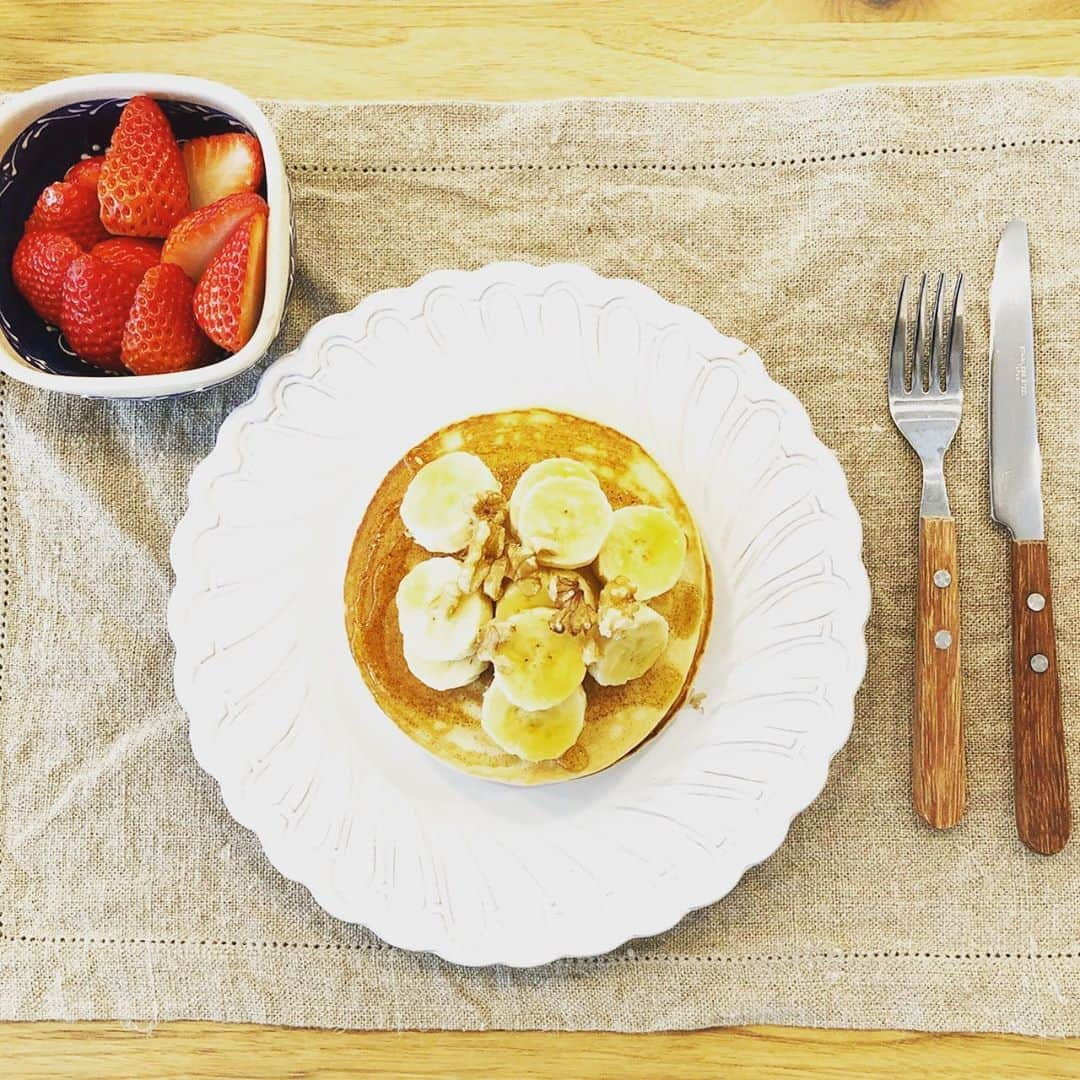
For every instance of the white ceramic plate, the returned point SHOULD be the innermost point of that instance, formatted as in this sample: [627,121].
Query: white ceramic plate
[379,831]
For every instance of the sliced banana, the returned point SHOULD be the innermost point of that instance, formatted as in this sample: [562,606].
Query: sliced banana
[438,505]
[534,666]
[543,590]
[636,643]
[542,470]
[444,674]
[538,735]
[646,546]
[564,519]
[437,620]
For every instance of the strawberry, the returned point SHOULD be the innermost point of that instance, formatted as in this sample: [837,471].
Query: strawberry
[143,189]
[228,298]
[195,238]
[138,255]
[161,333]
[68,207]
[220,165]
[94,307]
[38,268]
[86,171]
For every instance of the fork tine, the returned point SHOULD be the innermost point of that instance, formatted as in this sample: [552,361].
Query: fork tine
[955,375]
[937,344]
[920,340]
[899,343]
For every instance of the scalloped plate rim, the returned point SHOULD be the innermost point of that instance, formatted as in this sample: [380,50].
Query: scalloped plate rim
[450,948]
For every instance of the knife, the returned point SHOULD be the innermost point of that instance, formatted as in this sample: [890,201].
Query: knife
[1040,772]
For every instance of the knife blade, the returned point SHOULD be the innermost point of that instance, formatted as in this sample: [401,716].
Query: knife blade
[1043,814]
[1015,461]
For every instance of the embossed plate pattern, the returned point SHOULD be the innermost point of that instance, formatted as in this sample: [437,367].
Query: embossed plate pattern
[380,832]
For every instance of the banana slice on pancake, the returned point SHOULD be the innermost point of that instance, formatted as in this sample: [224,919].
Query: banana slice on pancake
[444,674]
[537,735]
[437,620]
[636,642]
[549,588]
[543,470]
[438,505]
[535,667]
[646,546]
[564,520]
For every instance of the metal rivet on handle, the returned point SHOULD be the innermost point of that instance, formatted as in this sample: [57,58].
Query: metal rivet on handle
[1036,601]
[942,579]
[943,639]
[1039,663]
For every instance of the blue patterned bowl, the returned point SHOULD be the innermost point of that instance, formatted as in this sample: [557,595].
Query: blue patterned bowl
[45,130]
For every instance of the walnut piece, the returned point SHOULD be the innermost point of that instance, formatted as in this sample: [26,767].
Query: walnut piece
[573,612]
[617,606]
[486,564]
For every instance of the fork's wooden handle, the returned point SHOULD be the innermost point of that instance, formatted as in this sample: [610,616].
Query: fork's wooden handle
[1043,816]
[938,777]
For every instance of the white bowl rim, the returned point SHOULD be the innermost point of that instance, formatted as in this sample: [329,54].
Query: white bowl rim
[25,107]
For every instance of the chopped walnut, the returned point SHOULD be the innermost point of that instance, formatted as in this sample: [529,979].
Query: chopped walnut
[491,636]
[573,612]
[486,564]
[617,606]
[523,565]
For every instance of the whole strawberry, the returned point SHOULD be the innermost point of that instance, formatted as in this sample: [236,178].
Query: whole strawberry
[68,207]
[229,296]
[38,268]
[86,172]
[94,307]
[161,333]
[143,187]
[137,255]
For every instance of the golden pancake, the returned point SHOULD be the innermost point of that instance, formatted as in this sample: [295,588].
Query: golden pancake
[447,722]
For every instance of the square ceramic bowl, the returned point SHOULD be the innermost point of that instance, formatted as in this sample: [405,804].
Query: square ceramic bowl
[45,130]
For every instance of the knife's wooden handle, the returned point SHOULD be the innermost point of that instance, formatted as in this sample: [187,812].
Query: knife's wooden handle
[1043,816]
[938,777]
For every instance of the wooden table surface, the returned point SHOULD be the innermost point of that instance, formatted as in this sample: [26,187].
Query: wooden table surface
[517,49]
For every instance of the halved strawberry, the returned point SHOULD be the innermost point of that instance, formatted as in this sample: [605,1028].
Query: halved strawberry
[195,238]
[68,207]
[229,296]
[86,172]
[94,306]
[138,255]
[220,165]
[143,187]
[38,268]
[161,333]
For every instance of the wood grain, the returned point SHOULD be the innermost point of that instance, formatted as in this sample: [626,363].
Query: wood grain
[540,48]
[1043,816]
[938,776]
[193,1051]
[400,49]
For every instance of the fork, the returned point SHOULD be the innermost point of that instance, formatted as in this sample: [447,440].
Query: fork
[927,412]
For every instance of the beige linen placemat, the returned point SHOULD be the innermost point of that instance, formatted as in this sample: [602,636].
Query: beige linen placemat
[125,888]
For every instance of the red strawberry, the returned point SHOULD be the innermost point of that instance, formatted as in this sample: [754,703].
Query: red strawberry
[68,207]
[161,333]
[220,165]
[95,304]
[38,268]
[228,298]
[138,255]
[86,171]
[195,238]
[143,189]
